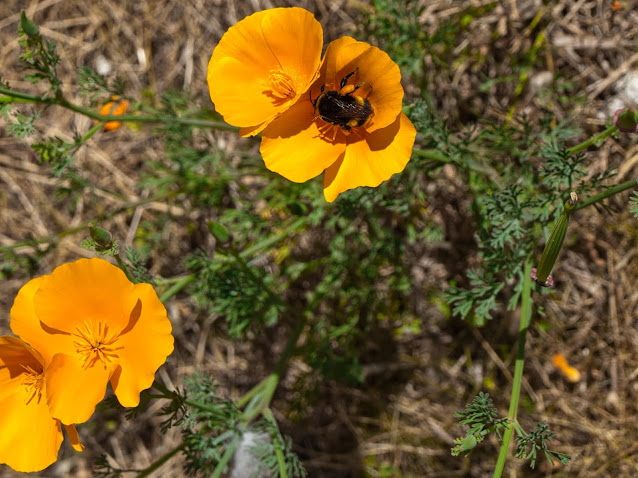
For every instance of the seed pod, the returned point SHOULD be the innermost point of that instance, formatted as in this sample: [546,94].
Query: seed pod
[554,243]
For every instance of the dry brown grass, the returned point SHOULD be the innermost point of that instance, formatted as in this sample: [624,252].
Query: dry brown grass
[403,414]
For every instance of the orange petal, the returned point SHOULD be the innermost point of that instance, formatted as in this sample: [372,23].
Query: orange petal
[376,68]
[26,324]
[370,161]
[73,391]
[29,437]
[263,64]
[299,148]
[144,348]
[82,290]
[74,438]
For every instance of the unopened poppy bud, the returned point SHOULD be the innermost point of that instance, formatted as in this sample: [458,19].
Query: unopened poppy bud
[103,238]
[220,233]
[554,243]
[626,120]
[28,27]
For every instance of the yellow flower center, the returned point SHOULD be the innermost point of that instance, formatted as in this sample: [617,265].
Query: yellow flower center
[281,84]
[94,344]
[32,382]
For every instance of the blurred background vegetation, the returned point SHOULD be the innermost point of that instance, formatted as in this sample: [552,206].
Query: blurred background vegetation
[410,290]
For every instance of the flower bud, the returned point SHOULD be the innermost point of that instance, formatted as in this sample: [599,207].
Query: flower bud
[28,27]
[102,238]
[221,234]
[626,120]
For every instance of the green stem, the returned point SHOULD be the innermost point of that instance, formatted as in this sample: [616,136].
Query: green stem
[596,139]
[147,471]
[606,193]
[281,460]
[178,286]
[123,266]
[26,98]
[526,314]
[228,454]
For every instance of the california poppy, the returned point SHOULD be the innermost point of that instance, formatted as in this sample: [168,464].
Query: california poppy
[262,66]
[365,150]
[92,326]
[30,436]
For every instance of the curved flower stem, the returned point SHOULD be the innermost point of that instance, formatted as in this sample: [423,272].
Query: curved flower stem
[155,465]
[123,266]
[17,97]
[607,193]
[594,140]
[526,314]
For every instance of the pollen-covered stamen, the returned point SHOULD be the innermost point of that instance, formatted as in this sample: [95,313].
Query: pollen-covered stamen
[94,344]
[32,382]
[281,84]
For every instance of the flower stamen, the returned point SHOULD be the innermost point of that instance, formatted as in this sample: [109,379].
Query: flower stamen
[32,382]
[95,345]
[282,85]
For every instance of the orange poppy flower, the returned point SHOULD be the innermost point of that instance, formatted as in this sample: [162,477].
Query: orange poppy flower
[92,325]
[263,64]
[31,437]
[350,125]
[116,107]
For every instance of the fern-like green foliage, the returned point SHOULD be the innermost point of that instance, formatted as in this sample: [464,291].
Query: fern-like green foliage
[482,418]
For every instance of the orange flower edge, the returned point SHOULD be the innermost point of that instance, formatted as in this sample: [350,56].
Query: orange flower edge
[31,437]
[350,126]
[262,66]
[116,107]
[91,324]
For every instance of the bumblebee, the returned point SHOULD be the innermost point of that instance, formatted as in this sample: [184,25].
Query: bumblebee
[342,107]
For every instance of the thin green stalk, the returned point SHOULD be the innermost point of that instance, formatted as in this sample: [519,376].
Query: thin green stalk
[281,460]
[526,314]
[123,266]
[593,140]
[178,286]
[26,98]
[155,465]
[228,454]
[606,193]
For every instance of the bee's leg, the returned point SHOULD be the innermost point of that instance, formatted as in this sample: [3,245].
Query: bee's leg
[360,85]
[345,79]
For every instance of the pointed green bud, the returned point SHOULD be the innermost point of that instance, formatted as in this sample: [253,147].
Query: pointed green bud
[555,242]
[28,27]
[219,232]
[102,238]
